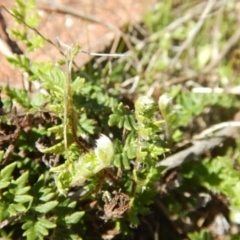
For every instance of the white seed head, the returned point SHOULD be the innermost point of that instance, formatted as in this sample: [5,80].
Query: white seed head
[104,150]
[164,100]
[143,103]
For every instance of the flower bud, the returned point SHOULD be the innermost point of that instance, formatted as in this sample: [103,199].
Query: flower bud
[164,102]
[104,150]
[143,104]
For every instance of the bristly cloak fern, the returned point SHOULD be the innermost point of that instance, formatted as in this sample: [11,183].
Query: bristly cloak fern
[75,173]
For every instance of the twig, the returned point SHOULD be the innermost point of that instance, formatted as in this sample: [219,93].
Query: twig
[233,90]
[131,81]
[11,146]
[181,79]
[200,146]
[33,29]
[92,53]
[216,127]
[14,139]
[105,54]
[68,105]
[65,45]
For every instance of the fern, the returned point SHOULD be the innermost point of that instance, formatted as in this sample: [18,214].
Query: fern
[81,114]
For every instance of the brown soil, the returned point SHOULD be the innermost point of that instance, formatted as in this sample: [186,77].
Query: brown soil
[93,24]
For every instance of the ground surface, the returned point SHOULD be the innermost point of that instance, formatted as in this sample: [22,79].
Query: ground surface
[183,205]
[93,24]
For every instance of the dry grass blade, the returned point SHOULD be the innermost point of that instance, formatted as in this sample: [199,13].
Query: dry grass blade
[194,32]
[229,44]
[228,129]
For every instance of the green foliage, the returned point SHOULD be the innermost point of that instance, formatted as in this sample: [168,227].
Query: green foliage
[83,112]
[202,235]
[193,104]
[122,118]
[5,175]
[20,96]
[37,229]
[217,175]
[20,61]
[26,18]
[31,205]
[76,103]
[179,108]
[155,21]
[123,154]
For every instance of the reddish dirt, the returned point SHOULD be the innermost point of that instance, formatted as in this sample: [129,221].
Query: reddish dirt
[59,19]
